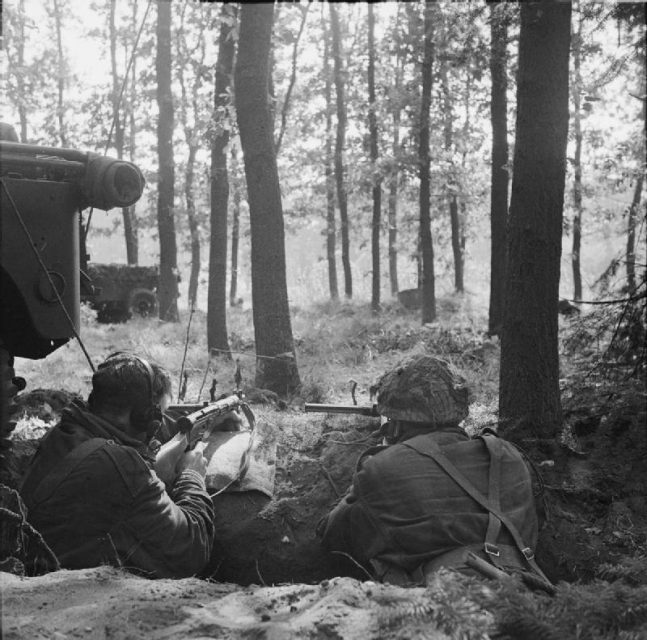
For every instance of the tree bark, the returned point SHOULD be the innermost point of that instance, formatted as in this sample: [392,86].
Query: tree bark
[448,130]
[426,241]
[376,177]
[20,78]
[500,177]
[217,294]
[331,231]
[168,289]
[393,182]
[632,218]
[60,73]
[276,366]
[339,150]
[293,76]
[194,231]
[577,162]
[529,397]
[115,96]
[132,240]
[235,230]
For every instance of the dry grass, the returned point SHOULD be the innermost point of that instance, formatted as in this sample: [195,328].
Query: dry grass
[335,343]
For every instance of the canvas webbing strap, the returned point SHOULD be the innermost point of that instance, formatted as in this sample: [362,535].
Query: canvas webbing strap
[494,495]
[433,451]
[52,481]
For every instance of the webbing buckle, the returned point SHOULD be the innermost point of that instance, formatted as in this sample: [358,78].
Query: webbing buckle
[528,553]
[491,549]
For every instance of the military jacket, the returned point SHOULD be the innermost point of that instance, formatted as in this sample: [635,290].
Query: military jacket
[92,493]
[403,510]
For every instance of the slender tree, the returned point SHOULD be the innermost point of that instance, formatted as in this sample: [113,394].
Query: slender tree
[396,111]
[167,289]
[448,134]
[217,295]
[376,177]
[425,238]
[17,69]
[576,92]
[118,120]
[56,10]
[276,366]
[235,228]
[190,60]
[331,230]
[132,130]
[339,149]
[634,208]
[529,399]
[499,176]
[293,77]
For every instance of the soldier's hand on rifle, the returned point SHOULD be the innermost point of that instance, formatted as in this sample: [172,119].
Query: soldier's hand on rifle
[193,460]
[168,458]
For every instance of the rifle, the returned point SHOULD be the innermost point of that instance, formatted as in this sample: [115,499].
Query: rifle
[197,416]
[370,411]
[194,427]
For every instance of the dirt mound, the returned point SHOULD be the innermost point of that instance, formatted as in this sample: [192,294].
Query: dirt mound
[108,603]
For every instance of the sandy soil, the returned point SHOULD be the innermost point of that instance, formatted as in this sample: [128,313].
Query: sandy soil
[106,603]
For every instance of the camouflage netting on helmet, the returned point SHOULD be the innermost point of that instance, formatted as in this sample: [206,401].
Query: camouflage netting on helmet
[422,389]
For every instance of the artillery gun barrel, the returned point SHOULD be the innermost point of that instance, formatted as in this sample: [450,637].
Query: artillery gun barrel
[103,182]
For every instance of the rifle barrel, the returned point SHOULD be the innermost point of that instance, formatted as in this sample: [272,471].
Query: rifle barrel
[352,409]
[217,408]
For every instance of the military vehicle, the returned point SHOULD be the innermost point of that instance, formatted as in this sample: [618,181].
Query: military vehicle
[118,292]
[43,190]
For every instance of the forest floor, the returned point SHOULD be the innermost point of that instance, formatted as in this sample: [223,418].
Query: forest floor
[272,579]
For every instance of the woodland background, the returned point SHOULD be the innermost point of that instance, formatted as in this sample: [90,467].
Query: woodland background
[65,64]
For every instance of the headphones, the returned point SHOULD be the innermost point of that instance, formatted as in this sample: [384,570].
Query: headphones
[150,418]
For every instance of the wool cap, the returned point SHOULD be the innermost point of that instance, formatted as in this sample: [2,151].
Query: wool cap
[422,388]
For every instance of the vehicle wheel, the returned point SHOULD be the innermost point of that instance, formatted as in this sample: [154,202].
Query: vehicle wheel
[142,302]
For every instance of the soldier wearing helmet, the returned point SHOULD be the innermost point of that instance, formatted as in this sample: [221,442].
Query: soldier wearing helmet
[433,496]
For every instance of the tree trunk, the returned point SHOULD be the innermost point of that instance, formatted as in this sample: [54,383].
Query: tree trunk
[339,150]
[393,186]
[193,226]
[635,202]
[235,230]
[132,241]
[119,127]
[577,163]
[500,176]
[167,290]
[276,366]
[631,234]
[331,231]
[217,296]
[426,243]
[60,70]
[293,76]
[529,398]
[448,129]
[377,179]
[20,77]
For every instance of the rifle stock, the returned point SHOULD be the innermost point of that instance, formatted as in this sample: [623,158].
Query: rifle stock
[351,409]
